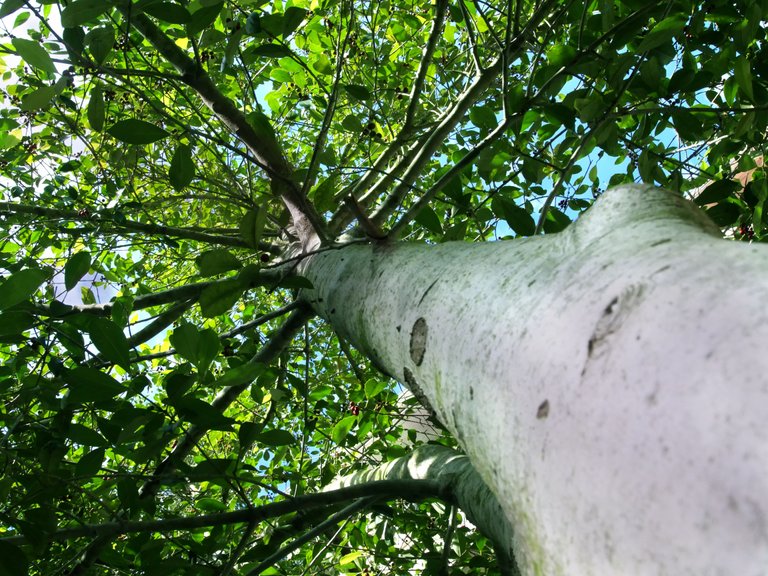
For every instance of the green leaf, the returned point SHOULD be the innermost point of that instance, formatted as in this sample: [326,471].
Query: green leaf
[95,109]
[342,428]
[10,6]
[272,23]
[292,19]
[233,46]
[169,12]
[724,214]
[15,322]
[203,18]
[662,33]
[561,55]
[74,38]
[350,558]
[321,391]
[516,217]
[110,341]
[210,505]
[275,438]
[71,338]
[483,117]
[90,385]
[82,11]
[429,219]
[200,347]
[14,562]
[201,413]
[589,107]
[20,286]
[295,283]
[182,169]
[323,64]
[86,294]
[374,387]
[75,268]
[352,123]
[716,192]
[742,71]
[240,375]
[688,126]
[85,436]
[40,98]
[358,92]
[271,51]
[252,226]
[100,42]
[34,54]
[219,298]
[253,24]
[555,221]
[216,261]
[90,464]
[136,132]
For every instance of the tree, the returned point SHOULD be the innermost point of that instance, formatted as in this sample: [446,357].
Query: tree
[272,196]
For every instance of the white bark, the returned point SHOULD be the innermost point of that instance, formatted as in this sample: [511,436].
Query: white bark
[454,473]
[609,383]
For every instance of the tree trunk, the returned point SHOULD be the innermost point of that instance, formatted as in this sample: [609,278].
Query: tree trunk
[609,383]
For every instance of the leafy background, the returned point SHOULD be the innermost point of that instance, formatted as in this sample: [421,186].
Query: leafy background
[145,373]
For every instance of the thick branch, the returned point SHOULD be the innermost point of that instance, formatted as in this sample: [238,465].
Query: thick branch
[160,323]
[456,476]
[178,294]
[437,136]
[414,160]
[265,149]
[127,226]
[412,490]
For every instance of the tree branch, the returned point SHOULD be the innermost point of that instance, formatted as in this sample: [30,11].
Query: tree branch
[297,543]
[160,323]
[412,490]
[441,8]
[435,139]
[177,294]
[276,344]
[330,110]
[472,39]
[127,226]
[265,149]
[427,197]
[413,161]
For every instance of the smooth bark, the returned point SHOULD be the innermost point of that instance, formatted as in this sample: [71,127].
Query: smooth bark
[608,382]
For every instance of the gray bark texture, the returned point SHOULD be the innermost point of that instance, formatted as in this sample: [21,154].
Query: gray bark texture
[608,383]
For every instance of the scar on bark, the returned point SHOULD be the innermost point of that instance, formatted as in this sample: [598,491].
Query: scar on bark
[418,393]
[543,410]
[427,291]
[418,344]
[600,331]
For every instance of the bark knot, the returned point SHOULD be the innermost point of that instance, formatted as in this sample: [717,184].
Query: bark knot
[418,345]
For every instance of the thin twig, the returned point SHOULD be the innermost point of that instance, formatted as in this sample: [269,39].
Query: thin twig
[330,110]
[342,514]
[441,9]
[472,39]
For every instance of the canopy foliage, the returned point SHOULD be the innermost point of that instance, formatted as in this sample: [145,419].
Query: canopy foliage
[162,159]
